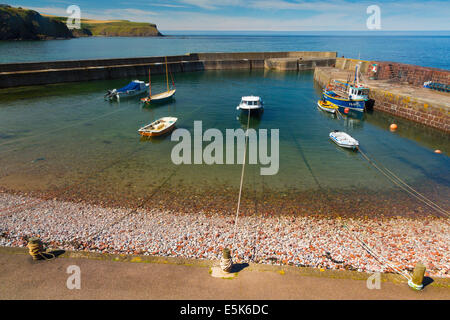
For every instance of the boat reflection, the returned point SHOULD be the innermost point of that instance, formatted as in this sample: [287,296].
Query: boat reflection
[254,123]
[152,105]
[353,123]
[156,139]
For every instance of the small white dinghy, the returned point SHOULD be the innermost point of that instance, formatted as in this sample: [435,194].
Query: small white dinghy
[344,140]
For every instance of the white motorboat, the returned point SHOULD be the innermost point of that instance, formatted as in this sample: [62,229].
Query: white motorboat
[251,104]
[344,140]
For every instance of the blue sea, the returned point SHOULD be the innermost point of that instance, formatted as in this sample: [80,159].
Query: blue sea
[429,49]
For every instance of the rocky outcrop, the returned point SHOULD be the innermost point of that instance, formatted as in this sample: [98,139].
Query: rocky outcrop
[22,24]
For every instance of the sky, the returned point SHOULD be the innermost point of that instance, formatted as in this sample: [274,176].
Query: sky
[259,15]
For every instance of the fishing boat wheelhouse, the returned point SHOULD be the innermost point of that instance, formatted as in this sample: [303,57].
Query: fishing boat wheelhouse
[347,95]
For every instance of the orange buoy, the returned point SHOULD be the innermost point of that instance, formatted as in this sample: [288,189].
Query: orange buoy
[346,110]
[393,127]
[437,151]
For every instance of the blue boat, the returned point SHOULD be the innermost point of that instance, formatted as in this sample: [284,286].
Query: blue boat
[341,102]
[347,95]
[436,86]
[134,88]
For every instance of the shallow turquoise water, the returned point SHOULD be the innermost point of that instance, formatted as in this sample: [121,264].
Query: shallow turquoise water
[53,137]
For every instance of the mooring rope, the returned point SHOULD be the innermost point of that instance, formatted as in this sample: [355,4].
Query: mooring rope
[419,194]
[381,260]
[36,202]
[139,206]
[132,211]
[58,129]
[377,257]
[404,186]
[242,180]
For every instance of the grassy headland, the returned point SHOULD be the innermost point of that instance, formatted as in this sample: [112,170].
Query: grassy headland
[113,28]
[24,24]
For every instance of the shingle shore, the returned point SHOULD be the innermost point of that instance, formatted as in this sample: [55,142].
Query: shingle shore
[312,241]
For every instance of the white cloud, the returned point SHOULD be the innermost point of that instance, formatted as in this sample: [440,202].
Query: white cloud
[200,21]
[129,12]
[215,4]
[48,10]
[330,15]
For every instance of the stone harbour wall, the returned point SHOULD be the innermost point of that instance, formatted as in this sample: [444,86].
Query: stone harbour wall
[413,75]
[39,73]
[415,109]
[431,109]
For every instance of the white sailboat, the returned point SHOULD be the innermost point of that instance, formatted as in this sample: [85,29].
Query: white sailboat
[163,96]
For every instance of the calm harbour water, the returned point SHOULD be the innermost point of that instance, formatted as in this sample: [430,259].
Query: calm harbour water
[424,50]
[66,137]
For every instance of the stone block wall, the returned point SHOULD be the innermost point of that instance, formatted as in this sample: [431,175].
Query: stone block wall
[38,73]
[413,75]
[417,110]
[433,114]
[350,64]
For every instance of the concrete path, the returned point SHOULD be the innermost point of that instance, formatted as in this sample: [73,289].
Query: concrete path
[23,278]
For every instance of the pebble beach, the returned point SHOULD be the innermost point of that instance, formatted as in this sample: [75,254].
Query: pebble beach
[309,241]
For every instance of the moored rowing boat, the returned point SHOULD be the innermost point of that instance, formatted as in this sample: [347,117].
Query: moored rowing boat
[327,106]
[158,127]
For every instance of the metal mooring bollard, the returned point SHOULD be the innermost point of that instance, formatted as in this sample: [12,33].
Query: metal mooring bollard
[35,248]
[417,278]
[226,263]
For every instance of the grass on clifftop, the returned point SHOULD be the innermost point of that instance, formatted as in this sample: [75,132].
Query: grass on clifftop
[114,28]
[23,24]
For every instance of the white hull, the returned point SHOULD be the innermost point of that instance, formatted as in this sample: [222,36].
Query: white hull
[117,94]
[326,109]
[246,108]
[131,94]
[344,140]
[163,96]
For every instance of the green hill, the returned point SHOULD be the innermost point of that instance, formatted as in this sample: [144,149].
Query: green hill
[22,24]
[122,28]
[113,28]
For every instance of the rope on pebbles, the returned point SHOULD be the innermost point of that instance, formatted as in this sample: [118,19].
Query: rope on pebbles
[242,180]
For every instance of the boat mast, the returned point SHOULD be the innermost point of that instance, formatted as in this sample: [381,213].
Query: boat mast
[357,74]
[167,75]
[149,83]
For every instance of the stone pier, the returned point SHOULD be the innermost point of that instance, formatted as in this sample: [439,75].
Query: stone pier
[39,73]
[401,94]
